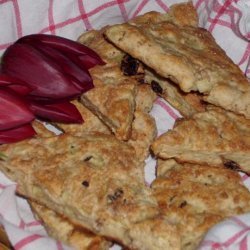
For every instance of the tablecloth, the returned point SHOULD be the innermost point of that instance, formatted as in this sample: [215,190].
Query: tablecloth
[228,21]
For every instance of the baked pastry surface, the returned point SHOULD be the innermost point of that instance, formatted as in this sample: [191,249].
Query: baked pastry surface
[95,182]
[215,137]
[196,197]
[187,55]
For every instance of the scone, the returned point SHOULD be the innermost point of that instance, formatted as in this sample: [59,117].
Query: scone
[196,197]
[186,104]
[119,66]
[143,130]
[58,226]
[107,51]
[189,57]
[94,181]
[214,137]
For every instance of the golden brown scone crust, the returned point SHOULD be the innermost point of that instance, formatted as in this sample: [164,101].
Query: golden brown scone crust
[214,137]
[111,72]
[190,57]
[180,14]
[95,182]
[61,229]
[196,197]
[143,130]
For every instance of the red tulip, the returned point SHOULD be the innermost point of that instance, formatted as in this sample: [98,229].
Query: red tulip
[64,112]
[39,75]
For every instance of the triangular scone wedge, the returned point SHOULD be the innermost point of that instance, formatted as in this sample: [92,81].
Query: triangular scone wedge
[190,57]
[196,197]
[212,137]
[143,130]
[114,105]
[95,182]
[61,229]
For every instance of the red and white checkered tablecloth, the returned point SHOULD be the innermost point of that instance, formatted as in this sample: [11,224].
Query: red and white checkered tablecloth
[229,22]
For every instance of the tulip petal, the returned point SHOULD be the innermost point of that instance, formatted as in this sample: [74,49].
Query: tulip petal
[62,44]
[42,74]
[13,110]
[14,84]
[87,61]
[17,134]
[79,76]
[64,112]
